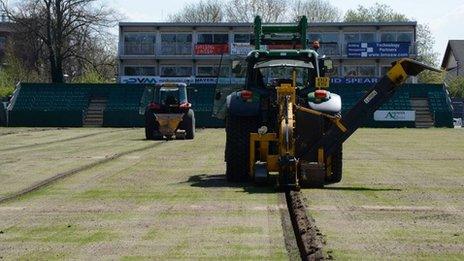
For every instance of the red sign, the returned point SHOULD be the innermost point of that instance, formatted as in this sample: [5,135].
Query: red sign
[211,49]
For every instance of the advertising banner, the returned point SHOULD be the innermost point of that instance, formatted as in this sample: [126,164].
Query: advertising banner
[154,79]
[378,50]
[232,80]
[211,49]
[394,115]
[188,80]
[354,80]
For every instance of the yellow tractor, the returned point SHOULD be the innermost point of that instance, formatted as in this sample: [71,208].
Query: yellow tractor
[285,125]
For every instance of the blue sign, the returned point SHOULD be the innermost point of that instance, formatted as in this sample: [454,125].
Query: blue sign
[378,50]
[354,80]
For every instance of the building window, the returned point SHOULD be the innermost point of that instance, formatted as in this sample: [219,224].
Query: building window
[367,37]
[366,71]
[139,43]
[213,38]
[176,44]
[350,71]
[404,37]
[352,38]
[212,71]
[328,42]
[242,38]
[335,72]
[359,71]
[139,70]
[388,37]
[176,71]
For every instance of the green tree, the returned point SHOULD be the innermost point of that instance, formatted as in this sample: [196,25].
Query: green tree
[425,40]
[271,11]
[14,71]
[376,13]
[91,75]
[456,87]
[315,10]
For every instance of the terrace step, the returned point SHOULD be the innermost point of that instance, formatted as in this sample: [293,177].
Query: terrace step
[424,118]
[94,114]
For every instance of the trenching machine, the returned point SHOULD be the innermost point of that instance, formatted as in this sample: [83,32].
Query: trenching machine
[285,125]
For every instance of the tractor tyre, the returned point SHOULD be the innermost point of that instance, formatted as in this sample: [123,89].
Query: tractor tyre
[237,153]
[337,165]
[188,124]
[149,125]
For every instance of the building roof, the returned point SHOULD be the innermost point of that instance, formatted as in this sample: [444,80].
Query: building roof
[337,24]
[457,48]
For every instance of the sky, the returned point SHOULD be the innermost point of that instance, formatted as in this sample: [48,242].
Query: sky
[445,18]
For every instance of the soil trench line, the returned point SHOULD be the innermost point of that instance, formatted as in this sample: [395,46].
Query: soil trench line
[62,175]
[28,131]
[307,235]
[59,141]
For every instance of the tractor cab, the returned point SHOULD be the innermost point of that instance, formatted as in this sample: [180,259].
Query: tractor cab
[168,98]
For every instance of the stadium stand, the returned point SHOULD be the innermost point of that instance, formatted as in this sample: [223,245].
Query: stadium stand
[458,107]
[3,119]
[122,108]
[202,97]
[67,104]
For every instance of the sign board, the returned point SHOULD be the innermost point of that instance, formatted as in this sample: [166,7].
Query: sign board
[188,80]
[322,82]
[394,115]
[211,49]
[154,79]
[212,80]
[354,80]
[232,80]
[241,49]
[378,50]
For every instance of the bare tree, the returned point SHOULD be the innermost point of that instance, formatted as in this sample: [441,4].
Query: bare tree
[63,29]
[209,11]
[271,11]
[316,11]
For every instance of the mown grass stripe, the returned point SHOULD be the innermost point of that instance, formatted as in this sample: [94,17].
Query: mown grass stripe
[59,176]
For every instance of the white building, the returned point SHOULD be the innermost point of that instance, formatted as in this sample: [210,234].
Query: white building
[151,52]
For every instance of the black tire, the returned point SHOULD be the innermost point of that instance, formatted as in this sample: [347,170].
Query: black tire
[337,166]
[237,152]
[149,125]
[188,124]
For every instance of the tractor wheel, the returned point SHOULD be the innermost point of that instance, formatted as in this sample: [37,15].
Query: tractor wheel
[337,164]
[149,125]
[237,152]
[188,124]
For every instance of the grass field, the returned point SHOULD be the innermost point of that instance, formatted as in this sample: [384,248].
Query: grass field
[402,197]
[127,198]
